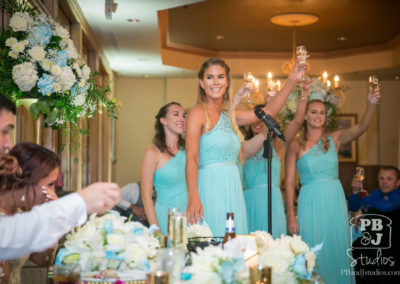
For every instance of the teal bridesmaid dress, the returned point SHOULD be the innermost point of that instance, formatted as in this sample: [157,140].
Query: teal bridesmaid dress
[322,212]
[219,182]
[255,174]
[170,185]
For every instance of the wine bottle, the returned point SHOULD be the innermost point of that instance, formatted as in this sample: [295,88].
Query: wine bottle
[229,228]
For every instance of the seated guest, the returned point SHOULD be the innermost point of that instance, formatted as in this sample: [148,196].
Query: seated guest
[28,177]
[386,198]
[131,205]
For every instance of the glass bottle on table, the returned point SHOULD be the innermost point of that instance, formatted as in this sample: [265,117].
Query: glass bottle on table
[361,176]
[229,227]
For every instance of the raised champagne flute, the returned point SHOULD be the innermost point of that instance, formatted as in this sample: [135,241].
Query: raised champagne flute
[249,80]
[361,176]
[301,53]
[373,82]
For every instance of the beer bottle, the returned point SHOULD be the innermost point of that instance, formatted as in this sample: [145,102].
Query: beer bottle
[229,228]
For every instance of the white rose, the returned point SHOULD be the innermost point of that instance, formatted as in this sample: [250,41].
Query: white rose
[67,78]
[298,246]
[56,70]
[37,53]
[18,47]
[11,41]
[13,54]
[47,64]
[56,87]
[310,260]
[71,51]
[79,100]
[61,32]
[19,22]
[25,76]
[85,72]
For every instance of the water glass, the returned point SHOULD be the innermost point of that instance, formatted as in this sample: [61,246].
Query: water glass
[172,261]
[178,224]
[171,212]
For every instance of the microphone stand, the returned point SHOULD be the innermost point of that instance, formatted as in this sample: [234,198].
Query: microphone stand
[268,144]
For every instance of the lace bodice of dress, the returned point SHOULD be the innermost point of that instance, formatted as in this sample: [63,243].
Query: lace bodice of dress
[318,165]
[219,145]
[256,170]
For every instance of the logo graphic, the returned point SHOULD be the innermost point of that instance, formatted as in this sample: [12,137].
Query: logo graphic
[371,231]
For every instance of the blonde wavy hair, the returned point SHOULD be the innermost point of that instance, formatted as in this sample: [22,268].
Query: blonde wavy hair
[324,136]
[227,98]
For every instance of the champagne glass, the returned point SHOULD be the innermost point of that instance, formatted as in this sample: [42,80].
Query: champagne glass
[249,79]
[178,230]
[373,82]
[171,213]
[301,53]
[361,176]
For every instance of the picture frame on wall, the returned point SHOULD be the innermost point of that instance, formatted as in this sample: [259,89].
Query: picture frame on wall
[348,152]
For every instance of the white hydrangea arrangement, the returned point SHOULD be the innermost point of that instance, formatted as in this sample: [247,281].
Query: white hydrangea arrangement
[108,242]
[291,258]
[333,98]
[199,231]
[39,60]
[214,265]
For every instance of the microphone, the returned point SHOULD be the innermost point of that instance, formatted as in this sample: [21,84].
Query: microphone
[269,122]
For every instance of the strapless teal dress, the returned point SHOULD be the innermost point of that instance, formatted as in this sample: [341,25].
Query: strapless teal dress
[170,184]
[219,182]
[255,174]
[322,212]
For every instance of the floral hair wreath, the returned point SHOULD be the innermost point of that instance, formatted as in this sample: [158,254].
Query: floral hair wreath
[333,99]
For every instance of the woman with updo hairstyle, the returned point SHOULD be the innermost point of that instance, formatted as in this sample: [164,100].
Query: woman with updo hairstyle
[28,177]
[163,167]
[214,145]
[322,213]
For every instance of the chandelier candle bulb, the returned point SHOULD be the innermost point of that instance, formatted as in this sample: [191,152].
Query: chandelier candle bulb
[336,81]
[328,84]
[278,85]
[324,77]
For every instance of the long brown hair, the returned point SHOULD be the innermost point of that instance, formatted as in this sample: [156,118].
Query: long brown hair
[303,130]
[159,137]
[227,97]
[25,166]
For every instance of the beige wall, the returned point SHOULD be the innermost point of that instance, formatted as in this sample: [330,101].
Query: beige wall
[141,98]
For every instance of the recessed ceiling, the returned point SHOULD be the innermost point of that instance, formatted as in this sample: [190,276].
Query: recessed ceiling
[241,26]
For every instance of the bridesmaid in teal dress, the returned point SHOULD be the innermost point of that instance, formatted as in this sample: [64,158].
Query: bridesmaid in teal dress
[322,214]
[255,173]
[213,146]
[163,167]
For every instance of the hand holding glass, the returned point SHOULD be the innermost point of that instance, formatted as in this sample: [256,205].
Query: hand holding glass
[373,82]
[361,176]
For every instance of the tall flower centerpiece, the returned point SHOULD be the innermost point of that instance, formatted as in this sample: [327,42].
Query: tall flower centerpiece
[333,98]
[38,60]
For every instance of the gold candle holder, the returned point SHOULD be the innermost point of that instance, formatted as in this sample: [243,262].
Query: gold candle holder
[260,274]
[157,277]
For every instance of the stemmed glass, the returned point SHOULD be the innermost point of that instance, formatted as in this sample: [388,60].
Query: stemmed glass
[249,80]
[301,53]
[373,82]
[361,176]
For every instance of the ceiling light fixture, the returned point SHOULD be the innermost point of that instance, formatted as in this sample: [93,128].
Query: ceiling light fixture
[110,7]
[342,38]
[131,20]
[219,37]
[293,20]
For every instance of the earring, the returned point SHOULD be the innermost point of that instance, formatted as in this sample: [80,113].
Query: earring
[23,196]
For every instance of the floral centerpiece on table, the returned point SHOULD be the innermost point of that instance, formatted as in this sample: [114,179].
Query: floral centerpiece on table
[108,242]
[214,265]
[198,231]
[291,259]
[38,60]
[333,98]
